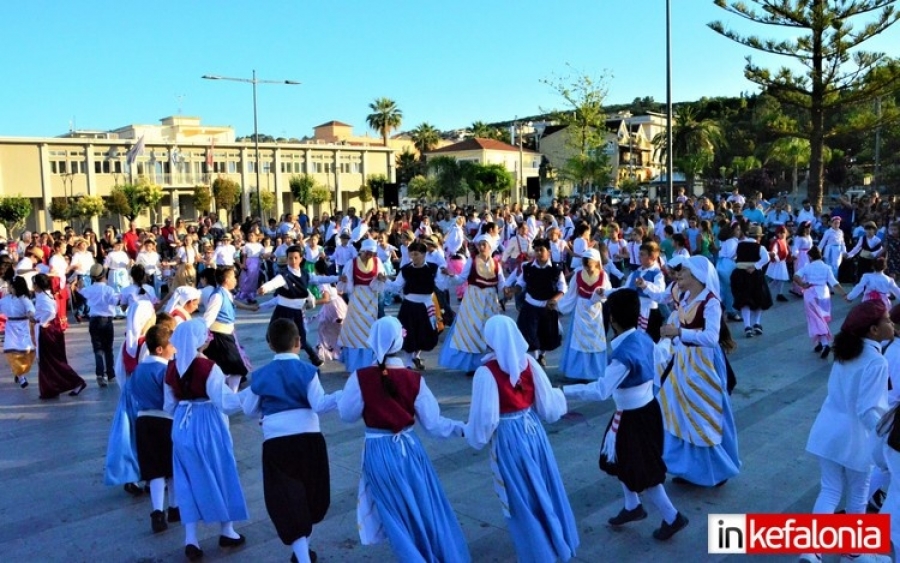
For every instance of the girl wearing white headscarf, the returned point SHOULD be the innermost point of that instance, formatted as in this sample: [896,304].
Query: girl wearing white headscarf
[363,280]
[584,345]
[122,466]
[701,438]
[508,394]
[207,487]
[185,300]
[464,347]
[400,496]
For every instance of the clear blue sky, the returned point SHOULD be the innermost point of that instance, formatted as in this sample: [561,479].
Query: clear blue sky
[105,64]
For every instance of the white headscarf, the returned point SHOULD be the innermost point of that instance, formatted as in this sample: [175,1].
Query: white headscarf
[182,295]
[483,237]
[702,269]
[186,339]
[368,245]
[592,254]
[509,348]
[141,316]
[385,338]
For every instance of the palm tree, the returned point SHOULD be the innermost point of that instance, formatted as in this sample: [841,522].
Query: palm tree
[793,152]
[694,142]
[425,137]
[482,130]
[385,117]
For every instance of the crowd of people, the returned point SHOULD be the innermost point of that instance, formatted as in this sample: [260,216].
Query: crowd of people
[636,295]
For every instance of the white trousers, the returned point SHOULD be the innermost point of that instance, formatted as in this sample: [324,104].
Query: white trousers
[835,478]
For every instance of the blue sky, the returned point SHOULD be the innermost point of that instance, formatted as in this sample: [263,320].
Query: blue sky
[103,64]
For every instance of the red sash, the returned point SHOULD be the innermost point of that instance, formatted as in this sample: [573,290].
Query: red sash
[131,362]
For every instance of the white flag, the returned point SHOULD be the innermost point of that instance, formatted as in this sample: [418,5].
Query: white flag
[135,151]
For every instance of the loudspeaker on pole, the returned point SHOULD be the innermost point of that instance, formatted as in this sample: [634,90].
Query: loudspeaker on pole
[533,188]
[392,195]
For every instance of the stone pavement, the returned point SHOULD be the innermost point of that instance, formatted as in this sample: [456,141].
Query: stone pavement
[54,506]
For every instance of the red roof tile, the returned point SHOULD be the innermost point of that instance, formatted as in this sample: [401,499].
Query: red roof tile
[477,144]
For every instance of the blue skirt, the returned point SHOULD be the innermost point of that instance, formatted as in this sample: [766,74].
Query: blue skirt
[121,450]
[539,516]
[702,465]
[207,487]
[356,358]
[451,358]
[415,513]
[575,364]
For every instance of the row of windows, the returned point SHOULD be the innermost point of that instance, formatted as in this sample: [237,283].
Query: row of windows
[59,164]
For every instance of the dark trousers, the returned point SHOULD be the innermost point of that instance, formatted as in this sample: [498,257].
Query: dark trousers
[101,331]
[296,315]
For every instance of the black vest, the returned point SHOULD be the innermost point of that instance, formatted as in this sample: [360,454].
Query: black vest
[540,283]
[419,280]
[295,287]
[747,251]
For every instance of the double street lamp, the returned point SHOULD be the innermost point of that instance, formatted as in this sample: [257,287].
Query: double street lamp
[254,81]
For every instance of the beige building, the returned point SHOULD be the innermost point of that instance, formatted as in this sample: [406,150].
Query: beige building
[521,163]
[175,157]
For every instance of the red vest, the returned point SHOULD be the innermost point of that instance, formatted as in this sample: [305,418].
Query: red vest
[360,277]
[478,281]
[780,248]
[516,398]
[193,384]
[130,362]
[382,411]
[585,290]
[177,312]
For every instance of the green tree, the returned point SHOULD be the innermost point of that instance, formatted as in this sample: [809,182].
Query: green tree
[694,142]
[13,212]
[266,200]
[374,184]
[585,120]
[491,178]
[87,207]
[202,199]
[385,117]
[60,209]
[827,44]
[408,166]
[792,152]
[226,192]
[481,130]
[319,195]
[301,186]
[118,202]
[420,186]
[365,193]
[741,164]
[130,200]
[425,138]
[452,178]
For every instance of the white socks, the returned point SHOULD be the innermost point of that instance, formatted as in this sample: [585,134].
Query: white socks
[157,492]
[301,550]
[657,495]
[190,534]
[228,531]
[632,500]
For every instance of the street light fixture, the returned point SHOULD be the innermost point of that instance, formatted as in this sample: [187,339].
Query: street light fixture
[669,158]
[254,81]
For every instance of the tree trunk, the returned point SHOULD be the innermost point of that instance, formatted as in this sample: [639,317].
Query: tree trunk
[794,179]
[815,181]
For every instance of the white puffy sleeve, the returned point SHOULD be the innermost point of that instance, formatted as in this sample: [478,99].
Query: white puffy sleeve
[484,412]
[428,411]
[549,403]
[221,395]
[709,336]
[350,403]
[318,399]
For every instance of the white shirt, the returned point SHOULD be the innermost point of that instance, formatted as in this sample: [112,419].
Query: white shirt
[131,294]
[117,260]
[101,299]
[224,255]
[820,276]
[294,421]
[82,262]
[877,282]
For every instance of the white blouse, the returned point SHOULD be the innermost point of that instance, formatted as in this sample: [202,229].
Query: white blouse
[44,308]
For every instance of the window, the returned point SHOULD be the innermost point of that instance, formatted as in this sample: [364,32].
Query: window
[232,167]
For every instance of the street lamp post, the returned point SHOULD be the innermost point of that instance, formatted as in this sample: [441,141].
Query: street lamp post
[254,81]
[669,166]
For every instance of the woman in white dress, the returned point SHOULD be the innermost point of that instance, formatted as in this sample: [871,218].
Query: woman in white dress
[584,347]
[18,343]
[117,263]
[363,280]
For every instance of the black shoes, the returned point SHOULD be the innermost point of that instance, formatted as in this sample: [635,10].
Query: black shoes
[158,521]
[420,365]
[781,298]
[192,552]
[541,360]
[757,330]
[470,374]
[174,515]
[101,381]
[21,382]
[818,348]
[825,351]
[625,516]
[748,332]
[77,391]
[313,557]
[316,361]
[133,489]
[666,531]
[225,541]
[734,317]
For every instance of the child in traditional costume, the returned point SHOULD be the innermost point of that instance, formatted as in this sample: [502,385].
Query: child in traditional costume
[219,317]
[815,279]
[330,317]
[650,283]
[777,272]
[153,427]
[701,439]
[55,375]
[509,393]
[251,257]
[362,280]
[102,301]
[543,286]
[18,343]
[841,436]
[748,283]
[400,496]
[584,346]
[833,246]
[875,284]
[288,397]
[207,486]
[802,244]
[292,290]
[869,248]
[633,442]
[464,347]
[418,313]
[184,302]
